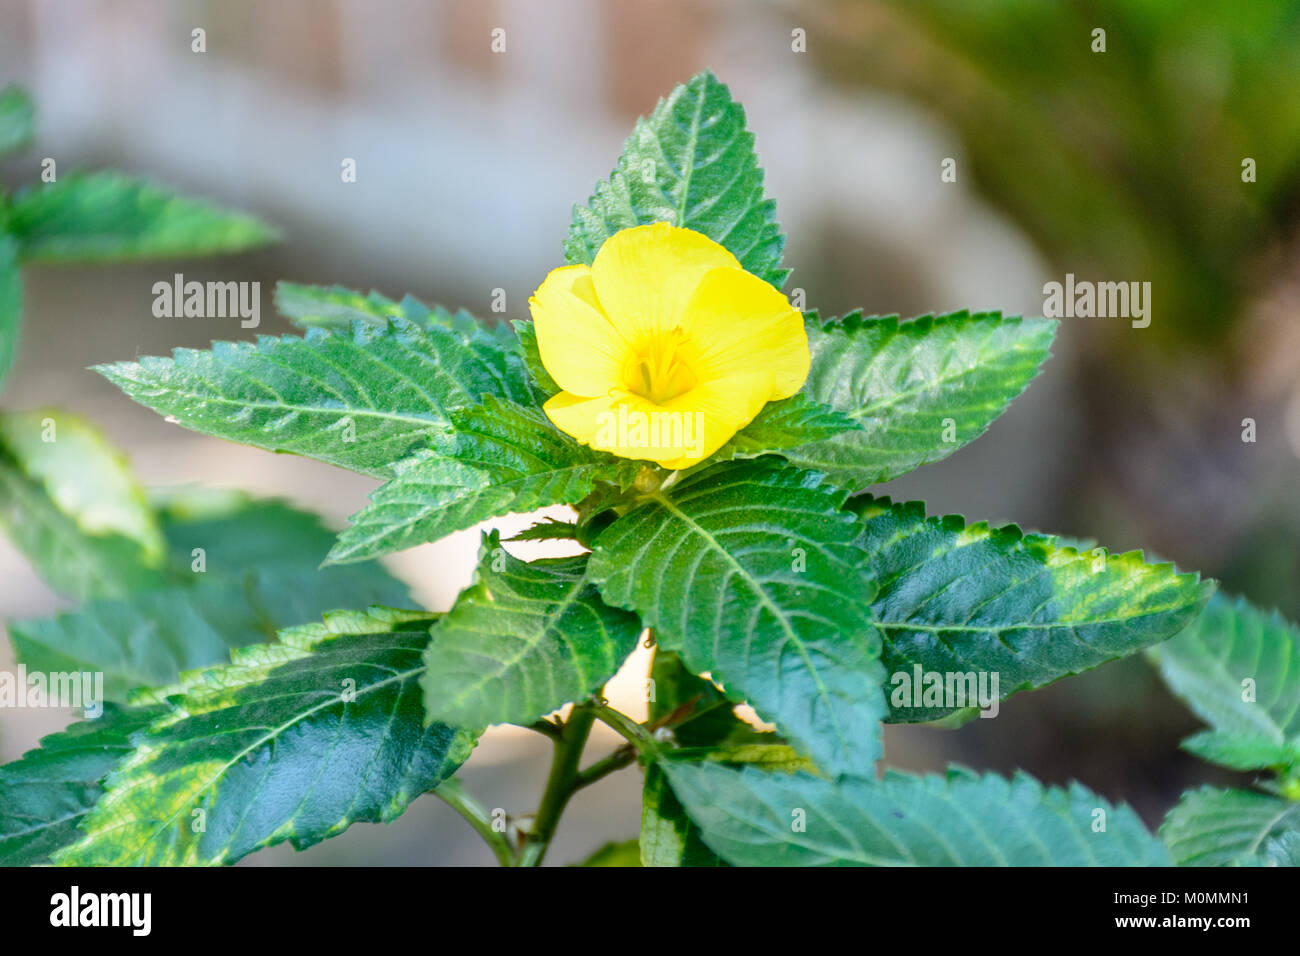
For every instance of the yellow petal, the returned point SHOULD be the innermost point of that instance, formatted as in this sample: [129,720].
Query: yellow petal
[676,435]
[579,346]
[739,323]
[645,276]
[576,415]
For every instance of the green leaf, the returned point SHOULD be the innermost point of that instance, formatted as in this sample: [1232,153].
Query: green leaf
[17,118]
[958,599]
[753,818]
[109,217]
[789,423]
[333,708]
[527,335]
[700,714]
[1242,752]
[362,401]
[500,458]
[702,719]
[920,389]
[45,795]
[1238,668]
[1210,827]
[548,529]
[690,163]
[258,575]
[152,637]
[668,837]
[70,504]
[334,307]
[626,853]
[521,641]
[749,571]
[11,303]
[240,533]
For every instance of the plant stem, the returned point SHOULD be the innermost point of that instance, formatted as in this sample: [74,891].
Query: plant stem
[456,797]
[560,785]
[627,728]
[619,759]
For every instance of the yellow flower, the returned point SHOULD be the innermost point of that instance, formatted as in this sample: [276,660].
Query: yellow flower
[665,346]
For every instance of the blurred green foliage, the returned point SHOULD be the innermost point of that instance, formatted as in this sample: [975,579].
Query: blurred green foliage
[1125,164]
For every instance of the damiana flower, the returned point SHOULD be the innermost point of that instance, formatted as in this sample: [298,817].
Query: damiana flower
[665,346]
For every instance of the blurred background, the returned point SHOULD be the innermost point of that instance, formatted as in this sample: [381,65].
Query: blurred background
[1117,165]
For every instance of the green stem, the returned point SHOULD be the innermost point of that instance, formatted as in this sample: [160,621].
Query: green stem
[456,797]
[619,759]
[627,728]
[560,785]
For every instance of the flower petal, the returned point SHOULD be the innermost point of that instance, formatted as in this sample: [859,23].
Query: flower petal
[676,435]
[578,416]
[740,323]
[645,276]
[579,347]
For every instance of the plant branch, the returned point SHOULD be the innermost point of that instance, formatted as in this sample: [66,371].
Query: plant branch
[619,759]
[560,785]
[456,797]
[627,728]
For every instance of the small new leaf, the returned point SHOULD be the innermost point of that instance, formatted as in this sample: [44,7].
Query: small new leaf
[1238,668]
[521,641]
[690,163]
[500,458]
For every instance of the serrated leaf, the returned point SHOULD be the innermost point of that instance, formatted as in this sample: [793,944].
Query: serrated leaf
[46,793]
[11,303]
[1238,668]
[70,504]
[959,819]
[109,217]
[527,335]
[521,641]
[920,389]
[749,571]
[17,118]
[333,307]
[1210,827]
[548,529]
[958,599]
[789,423]
[1242,752]
[500,458]
[333,708]
[362,401]
[690,163]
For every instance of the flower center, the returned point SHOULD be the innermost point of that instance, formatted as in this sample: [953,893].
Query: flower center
[656,370]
